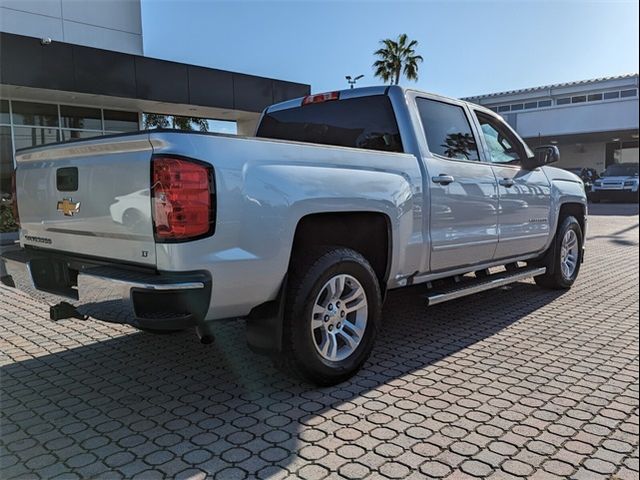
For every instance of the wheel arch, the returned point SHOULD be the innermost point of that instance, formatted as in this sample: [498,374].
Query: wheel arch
[367,232]
[576,209]
[264,322]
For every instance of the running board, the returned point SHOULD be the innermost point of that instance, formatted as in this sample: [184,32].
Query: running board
[486,283]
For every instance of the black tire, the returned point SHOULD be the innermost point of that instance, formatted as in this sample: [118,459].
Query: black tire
[555,278]
[307,277]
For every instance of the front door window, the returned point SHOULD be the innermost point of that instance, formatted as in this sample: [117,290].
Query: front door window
[504,147]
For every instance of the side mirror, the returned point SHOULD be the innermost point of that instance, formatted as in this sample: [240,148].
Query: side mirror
[543,156]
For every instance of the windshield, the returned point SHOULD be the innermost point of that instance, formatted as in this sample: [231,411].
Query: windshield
[621,170]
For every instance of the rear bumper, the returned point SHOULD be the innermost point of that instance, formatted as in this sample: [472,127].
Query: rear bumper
[110,292]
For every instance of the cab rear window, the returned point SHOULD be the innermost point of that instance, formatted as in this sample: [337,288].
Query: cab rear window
[364,122]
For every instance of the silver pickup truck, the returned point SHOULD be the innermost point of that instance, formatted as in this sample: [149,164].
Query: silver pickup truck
[301,229]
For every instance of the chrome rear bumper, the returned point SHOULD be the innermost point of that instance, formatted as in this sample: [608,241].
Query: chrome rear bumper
[114,293]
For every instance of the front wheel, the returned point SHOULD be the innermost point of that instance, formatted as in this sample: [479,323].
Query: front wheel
[567,257]
[332,314]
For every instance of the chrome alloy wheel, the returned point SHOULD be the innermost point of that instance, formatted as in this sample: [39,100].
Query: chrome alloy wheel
[339,317]
[569,254]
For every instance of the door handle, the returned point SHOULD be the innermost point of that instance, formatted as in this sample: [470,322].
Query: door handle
[506,182]
[443,179]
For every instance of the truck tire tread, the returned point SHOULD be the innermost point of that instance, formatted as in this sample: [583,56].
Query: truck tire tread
[304,272]
[554,279]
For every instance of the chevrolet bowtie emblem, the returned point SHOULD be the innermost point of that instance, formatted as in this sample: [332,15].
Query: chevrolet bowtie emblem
[68,207]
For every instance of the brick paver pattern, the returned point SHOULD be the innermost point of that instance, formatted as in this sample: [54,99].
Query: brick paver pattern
[518,382]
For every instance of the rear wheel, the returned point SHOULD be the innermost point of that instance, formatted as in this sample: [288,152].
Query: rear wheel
[567,257]
[331,316]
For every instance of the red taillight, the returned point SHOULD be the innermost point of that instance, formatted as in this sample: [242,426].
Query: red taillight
[321,97]
[182,198]
[14,199]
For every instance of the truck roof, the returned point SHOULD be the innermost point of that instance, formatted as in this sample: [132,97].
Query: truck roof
[362,92]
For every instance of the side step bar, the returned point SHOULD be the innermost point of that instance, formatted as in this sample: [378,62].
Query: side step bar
[486,283]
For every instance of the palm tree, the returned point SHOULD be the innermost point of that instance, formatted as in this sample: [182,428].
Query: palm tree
[396,58]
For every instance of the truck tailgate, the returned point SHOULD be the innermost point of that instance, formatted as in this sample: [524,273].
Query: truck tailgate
[90,197]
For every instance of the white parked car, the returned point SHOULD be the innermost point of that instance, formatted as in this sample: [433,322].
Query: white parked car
[618,182]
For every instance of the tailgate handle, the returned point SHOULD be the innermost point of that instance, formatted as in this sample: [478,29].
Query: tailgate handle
[67,179]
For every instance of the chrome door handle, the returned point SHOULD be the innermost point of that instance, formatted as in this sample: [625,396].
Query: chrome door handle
[506,182]
[443,179]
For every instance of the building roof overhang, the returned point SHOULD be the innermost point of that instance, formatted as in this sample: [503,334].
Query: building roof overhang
[58,66]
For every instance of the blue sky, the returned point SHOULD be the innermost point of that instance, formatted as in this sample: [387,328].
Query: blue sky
[469,47]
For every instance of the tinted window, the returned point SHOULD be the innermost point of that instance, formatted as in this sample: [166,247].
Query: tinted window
[579,99]
[31,137]
[447,130]
[563,101]
[610,95]
[8,223]
[81,117]
[516,106]
[78,134]
[366,122]
[544,103]
[531,105]
[27,113]
[504,108]
[504,146]
[594,97]
[4,111]
[120,121]
[6,161]
[628,93]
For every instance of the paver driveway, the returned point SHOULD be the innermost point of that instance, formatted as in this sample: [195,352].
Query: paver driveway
[519,381]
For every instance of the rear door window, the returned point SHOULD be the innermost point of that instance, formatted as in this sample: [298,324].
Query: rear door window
[447,130]
[364,122]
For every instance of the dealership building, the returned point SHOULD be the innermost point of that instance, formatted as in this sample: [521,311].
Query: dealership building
[76,69]
[593,122]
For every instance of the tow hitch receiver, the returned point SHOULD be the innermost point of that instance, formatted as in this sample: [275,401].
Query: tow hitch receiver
[64,310]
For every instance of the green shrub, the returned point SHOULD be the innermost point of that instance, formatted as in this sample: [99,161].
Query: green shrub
[7,221]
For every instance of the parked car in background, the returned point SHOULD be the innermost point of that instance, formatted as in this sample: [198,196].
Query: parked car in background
[302,229]
[587,175]
[619,182]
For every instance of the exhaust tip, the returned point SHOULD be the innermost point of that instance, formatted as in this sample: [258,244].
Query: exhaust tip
[205,334]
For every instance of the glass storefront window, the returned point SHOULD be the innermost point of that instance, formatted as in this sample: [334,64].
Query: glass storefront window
[81,117]
[116,120]
[7,221]
[4,112]
[6,161]
[40,114]
[78,134]
[32,136]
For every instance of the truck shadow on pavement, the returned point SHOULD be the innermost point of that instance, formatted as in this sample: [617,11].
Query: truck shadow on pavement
[614,209]
[169,406]
[618,236]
